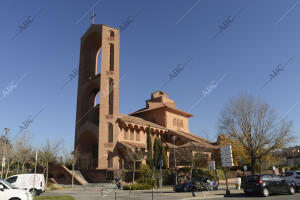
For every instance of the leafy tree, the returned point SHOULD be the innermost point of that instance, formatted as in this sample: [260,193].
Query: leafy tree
[159,154]
[156,154]
[162,154]
[149,160]
[255,126]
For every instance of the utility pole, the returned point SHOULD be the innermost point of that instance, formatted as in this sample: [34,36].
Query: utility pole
[174,137]
[4,151]
[36,157]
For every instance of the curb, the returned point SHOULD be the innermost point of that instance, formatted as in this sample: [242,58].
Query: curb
[205,197]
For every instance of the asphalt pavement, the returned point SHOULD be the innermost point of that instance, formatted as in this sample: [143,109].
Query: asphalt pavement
[107,192]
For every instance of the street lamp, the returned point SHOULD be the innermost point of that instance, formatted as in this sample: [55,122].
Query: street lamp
[174,137]
[4,151]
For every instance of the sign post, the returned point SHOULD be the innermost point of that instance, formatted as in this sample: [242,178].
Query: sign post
[212,167]
[245,169]
[227,162]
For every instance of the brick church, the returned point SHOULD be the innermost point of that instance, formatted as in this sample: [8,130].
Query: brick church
[103,136]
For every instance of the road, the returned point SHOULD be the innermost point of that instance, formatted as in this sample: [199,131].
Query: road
[106,192]
[273,197]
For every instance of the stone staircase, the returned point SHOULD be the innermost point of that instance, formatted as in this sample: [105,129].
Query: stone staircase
[77,175]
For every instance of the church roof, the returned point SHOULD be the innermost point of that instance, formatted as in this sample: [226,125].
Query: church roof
[137,120]
[169,108]
[198,144]
[190,136]
[132,145]
[140,121]
[158,100]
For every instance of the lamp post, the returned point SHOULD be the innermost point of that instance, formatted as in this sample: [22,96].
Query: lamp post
[4,151]
[174,137]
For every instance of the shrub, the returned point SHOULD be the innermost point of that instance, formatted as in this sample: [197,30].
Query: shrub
[148,181]
[220,174]
[142,186]
[145,171]
[198,172]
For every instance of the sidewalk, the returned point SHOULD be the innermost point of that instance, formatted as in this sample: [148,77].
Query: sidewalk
[215,194]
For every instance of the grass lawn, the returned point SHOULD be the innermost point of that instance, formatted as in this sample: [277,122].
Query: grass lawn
[54,198]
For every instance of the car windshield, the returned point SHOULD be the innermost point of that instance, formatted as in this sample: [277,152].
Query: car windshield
[8,184]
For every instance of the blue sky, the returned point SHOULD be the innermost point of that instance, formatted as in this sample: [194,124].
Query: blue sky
[164,35]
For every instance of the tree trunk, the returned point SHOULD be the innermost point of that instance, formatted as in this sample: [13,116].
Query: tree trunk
[73,175]
[23,167]
[18,168]
[133,172]
[260,165]
[253,159]
[191,172]
[7,171]
[47,170]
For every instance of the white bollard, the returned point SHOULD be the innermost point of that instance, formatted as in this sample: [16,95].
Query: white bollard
[238,182]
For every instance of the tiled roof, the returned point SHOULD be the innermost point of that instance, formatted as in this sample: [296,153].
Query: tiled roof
[132,145]
[189,136]
[162,106]
[137,120]
[198,144]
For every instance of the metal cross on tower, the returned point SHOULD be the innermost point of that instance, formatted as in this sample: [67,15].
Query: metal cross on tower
[93,17]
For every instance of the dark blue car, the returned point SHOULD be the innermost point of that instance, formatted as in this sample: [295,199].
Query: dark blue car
[188,187]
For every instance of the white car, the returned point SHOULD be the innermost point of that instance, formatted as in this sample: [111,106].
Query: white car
[293,177]
[34,183]
[8,192]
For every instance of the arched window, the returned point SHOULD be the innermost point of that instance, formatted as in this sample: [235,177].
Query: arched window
[97,99]
[131,134]
[98,63]
[138,135]
[125,134]
[112,57]
[111,97]
[110,133]
[112,34]
[110,159]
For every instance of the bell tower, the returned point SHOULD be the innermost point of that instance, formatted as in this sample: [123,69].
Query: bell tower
[96,132]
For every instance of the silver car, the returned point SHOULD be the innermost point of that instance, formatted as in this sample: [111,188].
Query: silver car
[293,177]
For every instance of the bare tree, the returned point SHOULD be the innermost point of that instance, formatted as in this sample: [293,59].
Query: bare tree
[135,156]
[10,157]
[192,156]
[74,159]
[255,126]
[23,150]
[49,153]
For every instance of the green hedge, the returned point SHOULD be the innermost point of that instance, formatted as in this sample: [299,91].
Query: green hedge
[148,181]
[142,186]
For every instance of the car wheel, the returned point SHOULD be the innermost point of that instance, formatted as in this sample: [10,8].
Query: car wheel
[14,198]
[185,189]
[34,192]
[292,190]
[266,192]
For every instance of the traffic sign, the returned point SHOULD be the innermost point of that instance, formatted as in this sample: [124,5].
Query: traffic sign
[226,156]
[212,165]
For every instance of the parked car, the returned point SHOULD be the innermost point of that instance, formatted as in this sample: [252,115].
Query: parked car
[267,184]
[9,192]
[34,183]
[203,183]
[293,177]
[243,180]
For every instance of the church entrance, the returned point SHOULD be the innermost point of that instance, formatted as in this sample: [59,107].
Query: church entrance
[88,149]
